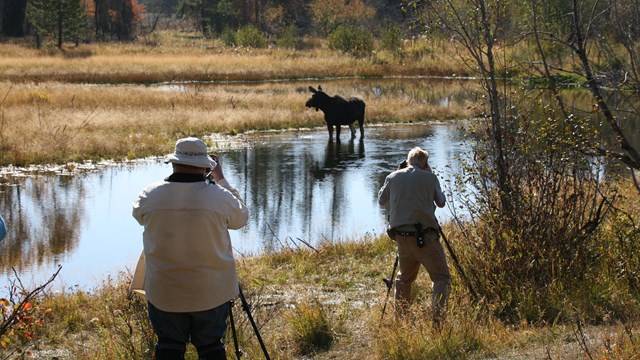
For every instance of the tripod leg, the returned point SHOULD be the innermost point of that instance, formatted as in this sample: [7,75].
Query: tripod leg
[456,263]
[245,306]
[389,283]
[233,331]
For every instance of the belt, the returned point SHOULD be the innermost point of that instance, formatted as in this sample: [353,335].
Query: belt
[406,233]
[413,233]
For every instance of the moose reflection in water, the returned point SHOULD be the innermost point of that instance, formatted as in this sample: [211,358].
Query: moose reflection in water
[338,157]
[299,187]
[338,111]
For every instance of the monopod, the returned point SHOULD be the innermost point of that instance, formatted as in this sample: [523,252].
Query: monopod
[245,307]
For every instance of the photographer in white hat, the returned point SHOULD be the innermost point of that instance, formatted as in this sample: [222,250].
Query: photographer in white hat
[190,271]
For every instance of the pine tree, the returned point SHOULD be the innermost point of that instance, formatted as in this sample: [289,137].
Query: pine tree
[64,19]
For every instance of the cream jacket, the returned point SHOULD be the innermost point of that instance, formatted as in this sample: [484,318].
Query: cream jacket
[187,249]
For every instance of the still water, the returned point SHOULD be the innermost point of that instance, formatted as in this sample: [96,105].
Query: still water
[299,187]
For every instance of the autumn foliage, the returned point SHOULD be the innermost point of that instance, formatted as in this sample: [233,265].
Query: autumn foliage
[21,315]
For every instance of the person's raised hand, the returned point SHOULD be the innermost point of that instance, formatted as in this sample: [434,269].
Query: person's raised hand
[217,171]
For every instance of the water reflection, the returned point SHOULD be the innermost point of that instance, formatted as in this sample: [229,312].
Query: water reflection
[296,189]
[337,156]
[44,216]
[299,187]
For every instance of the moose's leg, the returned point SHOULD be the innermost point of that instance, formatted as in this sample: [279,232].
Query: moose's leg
[330,128]
[338,132]
[353,131]
[361,121]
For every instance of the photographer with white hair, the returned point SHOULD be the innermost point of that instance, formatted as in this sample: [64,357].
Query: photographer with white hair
[190,270]
[412,193]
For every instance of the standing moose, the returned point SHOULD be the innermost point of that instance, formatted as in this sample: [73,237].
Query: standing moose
[338,111]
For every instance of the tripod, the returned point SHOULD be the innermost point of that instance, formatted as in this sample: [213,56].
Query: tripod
[389,283]
[456,263]
[245,307]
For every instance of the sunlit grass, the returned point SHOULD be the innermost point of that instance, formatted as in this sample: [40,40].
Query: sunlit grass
[53,108]
[58,122]
[109,323]
[174,56]
[327,306]
[311,330]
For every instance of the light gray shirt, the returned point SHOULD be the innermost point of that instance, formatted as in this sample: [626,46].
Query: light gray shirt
[411,195]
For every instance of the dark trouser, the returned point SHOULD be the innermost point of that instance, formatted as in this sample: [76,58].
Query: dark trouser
[204,329]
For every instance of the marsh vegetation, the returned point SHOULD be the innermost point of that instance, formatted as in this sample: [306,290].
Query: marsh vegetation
[550,230]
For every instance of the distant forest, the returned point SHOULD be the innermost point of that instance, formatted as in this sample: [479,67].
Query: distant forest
[82,21]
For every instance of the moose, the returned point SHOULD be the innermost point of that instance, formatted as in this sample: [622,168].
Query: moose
[338,111]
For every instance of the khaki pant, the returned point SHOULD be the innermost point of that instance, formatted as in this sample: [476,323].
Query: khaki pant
[433,258]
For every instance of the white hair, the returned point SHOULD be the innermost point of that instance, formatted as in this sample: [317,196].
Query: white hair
[418,157]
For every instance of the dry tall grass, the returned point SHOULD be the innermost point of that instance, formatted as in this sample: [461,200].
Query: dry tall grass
[52,108]
[324,304]
[187,57]
[58,122]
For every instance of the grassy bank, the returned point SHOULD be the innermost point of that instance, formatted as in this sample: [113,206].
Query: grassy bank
[324,304]
[59,122]
[186,56]
[93,101]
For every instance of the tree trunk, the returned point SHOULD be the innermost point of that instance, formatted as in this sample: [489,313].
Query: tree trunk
[633,156]
[60,18]
[496,115]
[1,18]
[96,17]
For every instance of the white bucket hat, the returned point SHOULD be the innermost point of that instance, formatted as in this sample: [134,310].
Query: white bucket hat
[191,151]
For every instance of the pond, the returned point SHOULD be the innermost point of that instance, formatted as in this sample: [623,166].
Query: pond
[300,188]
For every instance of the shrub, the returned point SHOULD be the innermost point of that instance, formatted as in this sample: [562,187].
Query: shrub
[251,36]
[351,39]
[22,316]
[311,329]
[392,39]
[228,37]
[533,235]
[289,38]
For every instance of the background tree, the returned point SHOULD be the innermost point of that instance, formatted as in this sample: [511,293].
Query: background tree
[533,200]
[62,19]
[295,13]
[210,16]
[603,36]
[42,16]
[477,25]
[13,13]
[117,18]
[1,19]
[158,9]
[329,14]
